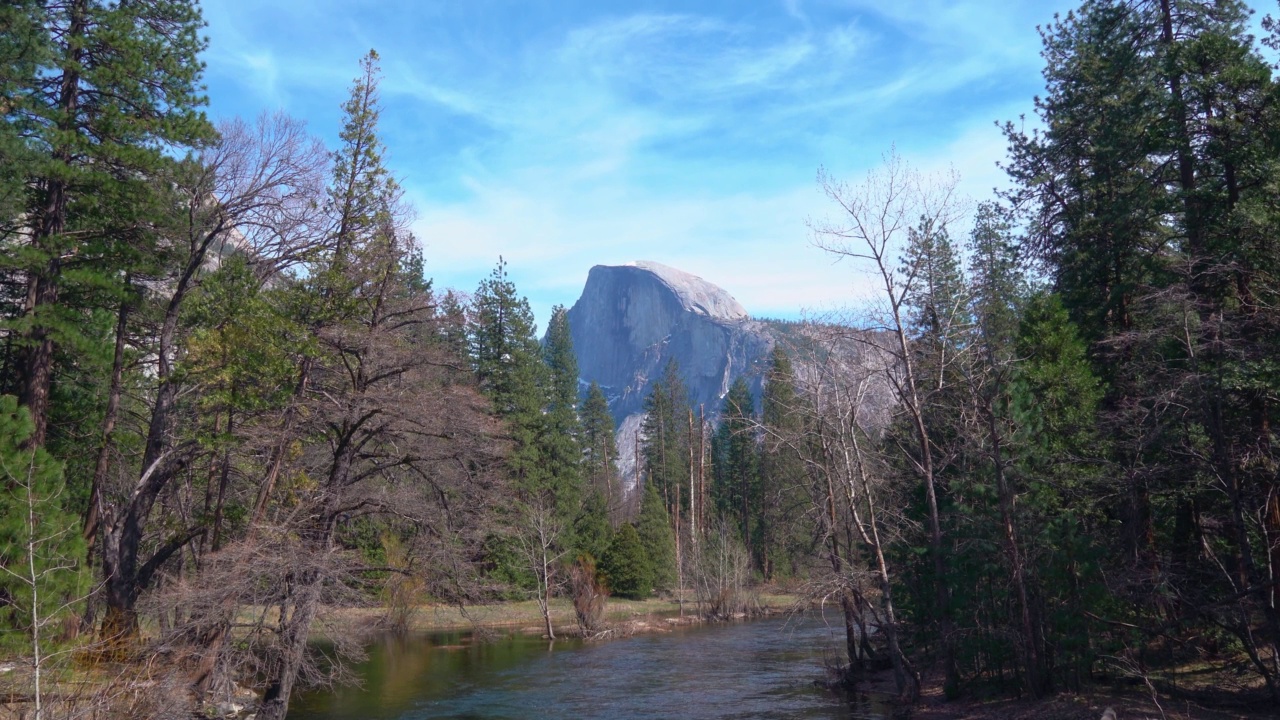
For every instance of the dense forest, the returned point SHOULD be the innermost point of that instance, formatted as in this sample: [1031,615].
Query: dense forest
[232,403]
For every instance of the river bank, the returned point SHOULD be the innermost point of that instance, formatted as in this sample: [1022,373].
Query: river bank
[505,634]
[1087,705]
[1129,703]
[625,617]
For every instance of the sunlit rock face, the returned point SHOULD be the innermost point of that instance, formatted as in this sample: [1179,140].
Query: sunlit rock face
[633,318]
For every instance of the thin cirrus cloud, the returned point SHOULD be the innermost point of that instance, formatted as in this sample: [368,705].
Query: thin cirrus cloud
[561,135]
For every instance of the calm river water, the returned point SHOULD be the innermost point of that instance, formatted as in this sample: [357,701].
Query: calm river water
[759,669]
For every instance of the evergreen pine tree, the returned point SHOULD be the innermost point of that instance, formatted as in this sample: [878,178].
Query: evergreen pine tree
[735,465]
[625,565]
[558,354]
[599,447]
[508,365]
[561,441]
[985,449]
[362,193]
[658,539]
[1053,404]
[591,531]
[102,93]
[998,284]
[40,548]
[938,300]
[783,529]
[453,325]
[1098,218]
[40,542]
[1055,392]
[666,436]
[1149,188]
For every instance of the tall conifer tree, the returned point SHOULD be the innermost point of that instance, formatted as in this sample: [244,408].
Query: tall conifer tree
[1148,188]
[561,440]
[101,92]
[666,436]
[783,529]
[599,446]
[736,465]
[658,539]
[509,368]
[359,308]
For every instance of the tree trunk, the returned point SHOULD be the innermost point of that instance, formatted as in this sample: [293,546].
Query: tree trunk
[296,632]
[852,637]
[120,622]
[702,466]
[693,495]
[837,561]
[160,460]
[942,595]
[908,684]
[122,542]
[1186,161]
[282,447]
[93,514]
[545,599]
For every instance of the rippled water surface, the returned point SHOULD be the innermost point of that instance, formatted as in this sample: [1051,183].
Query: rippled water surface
[760,669]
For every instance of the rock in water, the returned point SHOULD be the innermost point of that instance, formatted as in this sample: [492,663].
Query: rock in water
[631,319]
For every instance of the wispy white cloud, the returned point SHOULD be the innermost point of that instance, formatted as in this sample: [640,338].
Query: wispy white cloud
[755,245]
[561,135]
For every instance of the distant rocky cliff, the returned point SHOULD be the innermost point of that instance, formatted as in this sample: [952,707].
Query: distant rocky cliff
[633,318]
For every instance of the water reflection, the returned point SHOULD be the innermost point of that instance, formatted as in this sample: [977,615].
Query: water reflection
[762,669]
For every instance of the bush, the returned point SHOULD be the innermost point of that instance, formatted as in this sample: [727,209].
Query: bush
[589,594]
[720,569]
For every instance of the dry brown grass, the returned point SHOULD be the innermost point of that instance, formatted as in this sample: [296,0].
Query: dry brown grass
[526,613]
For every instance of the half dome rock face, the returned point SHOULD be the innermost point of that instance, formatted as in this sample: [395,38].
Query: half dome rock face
[633,318]
[695,294]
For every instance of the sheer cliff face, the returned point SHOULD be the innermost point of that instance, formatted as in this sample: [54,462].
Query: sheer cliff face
[632,318]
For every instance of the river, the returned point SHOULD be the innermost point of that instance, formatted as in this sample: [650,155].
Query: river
[759,669]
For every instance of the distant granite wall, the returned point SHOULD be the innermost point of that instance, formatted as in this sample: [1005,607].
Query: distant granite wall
[631,319]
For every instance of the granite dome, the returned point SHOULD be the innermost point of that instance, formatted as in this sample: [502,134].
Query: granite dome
[695,294]
[632,319]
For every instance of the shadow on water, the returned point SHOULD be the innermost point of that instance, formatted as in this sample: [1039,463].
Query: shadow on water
[761,669]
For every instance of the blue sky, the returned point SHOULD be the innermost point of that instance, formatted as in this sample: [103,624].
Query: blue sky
[563,134]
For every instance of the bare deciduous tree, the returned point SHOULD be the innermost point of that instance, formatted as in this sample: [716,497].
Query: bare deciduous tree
[874,220]
[843,403]
[719,568]
[537,536]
